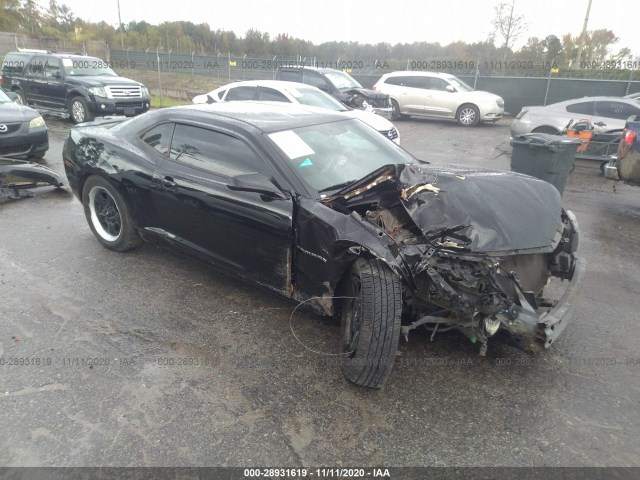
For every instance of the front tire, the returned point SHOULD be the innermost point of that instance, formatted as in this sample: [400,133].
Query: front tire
[395,112]
[468,115]
[108,216]
[79,111]
[370,323]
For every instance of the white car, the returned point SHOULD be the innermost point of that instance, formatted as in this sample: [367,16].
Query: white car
[292,92]
[439,95]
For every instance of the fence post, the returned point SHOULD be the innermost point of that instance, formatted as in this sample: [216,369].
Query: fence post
[629,82]
[475,79]
[546,93]
[159,76]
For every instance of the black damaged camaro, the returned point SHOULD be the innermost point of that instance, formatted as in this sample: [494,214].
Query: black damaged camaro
[323,209]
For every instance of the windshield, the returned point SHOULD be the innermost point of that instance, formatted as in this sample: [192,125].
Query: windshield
[459,84]
[342,80]
[87,67]
[4,98]
[328,156]
[316,98]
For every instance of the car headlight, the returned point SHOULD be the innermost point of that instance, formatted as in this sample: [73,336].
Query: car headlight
[500,102]
[37,122]
[98,91]
[144,91]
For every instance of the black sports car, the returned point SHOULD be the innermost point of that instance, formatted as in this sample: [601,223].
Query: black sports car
[321,208]
[23,132]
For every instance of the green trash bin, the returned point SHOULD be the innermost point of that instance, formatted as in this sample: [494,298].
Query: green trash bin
[544,156]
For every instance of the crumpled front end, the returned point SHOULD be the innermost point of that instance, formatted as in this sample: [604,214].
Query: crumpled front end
[488,253]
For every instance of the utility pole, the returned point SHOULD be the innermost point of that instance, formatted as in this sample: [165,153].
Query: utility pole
[120,22]
[583,35]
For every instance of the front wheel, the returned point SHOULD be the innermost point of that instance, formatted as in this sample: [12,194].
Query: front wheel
[108,216]
[468,115]
[395,112]
[370,323]
[79,111]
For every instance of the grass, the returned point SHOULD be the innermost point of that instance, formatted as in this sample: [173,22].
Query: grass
[167,102]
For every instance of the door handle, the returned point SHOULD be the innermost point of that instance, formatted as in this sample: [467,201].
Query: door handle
[167,182]
[600,124]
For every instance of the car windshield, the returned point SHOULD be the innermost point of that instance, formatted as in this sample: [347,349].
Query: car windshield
[87,67]
[459,84]
[315,98]
[329,156]
[4,98]
[342,80]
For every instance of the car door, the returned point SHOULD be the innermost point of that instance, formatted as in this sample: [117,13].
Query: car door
[35,82]
[412,94]
[439,102]
[54,91]
[246,232]
[611,115]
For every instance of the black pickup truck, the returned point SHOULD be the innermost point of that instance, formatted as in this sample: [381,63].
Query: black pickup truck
[340,85]
[80,86]
[626,165]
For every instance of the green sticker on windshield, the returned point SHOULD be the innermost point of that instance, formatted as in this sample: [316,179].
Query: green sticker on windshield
[307,163]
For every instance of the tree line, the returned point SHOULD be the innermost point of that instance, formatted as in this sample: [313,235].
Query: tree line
[57,21]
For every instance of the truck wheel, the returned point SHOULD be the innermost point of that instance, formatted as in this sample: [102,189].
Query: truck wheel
[79,111]
[108,216]
[468,115]
[370,323]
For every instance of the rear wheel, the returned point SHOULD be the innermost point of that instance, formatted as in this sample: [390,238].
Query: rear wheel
[370,323]
[468,115]
[108,216]
[545,129]
[22,100]
[79,111]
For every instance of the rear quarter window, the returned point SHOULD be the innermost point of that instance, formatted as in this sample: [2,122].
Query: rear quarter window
[14,64]
[585,108]
[290,75]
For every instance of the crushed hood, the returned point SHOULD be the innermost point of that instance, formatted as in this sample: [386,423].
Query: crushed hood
[490,211]
[365,92]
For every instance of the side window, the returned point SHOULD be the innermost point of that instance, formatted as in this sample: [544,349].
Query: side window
[36,66]
[271,95]
[221,94]
[613,109]
[394,81]
[417,82]
[585,108]
[14,64]
[437,83]
[51,67]
[314,78]
[290,75]
[159,137]
[241,93]
[216,152]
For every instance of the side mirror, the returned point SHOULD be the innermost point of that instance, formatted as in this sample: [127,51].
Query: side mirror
[57,74]
[13,97]
[257,183]
[450,88]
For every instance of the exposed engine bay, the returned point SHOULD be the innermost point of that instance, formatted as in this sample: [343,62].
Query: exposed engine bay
[468,266]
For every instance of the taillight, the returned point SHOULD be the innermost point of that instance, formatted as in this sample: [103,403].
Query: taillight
[628,136]
[0,79]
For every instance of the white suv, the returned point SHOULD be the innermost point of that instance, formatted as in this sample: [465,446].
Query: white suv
[439,95]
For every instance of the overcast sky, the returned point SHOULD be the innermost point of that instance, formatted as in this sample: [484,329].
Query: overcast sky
[373,21]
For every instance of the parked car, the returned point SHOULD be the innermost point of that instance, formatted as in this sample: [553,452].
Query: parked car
[606,114]
[340,85]
[299,93]
[23,132]
[322,209]
[80,86]
[626,164]
[439,95]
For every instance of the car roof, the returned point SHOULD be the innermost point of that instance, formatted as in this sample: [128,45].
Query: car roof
[276,84]
[315,69]
[595,99]
[419,74]
[265,116]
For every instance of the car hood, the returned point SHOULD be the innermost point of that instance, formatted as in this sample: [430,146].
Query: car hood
[474,210]
[481,95]
[12,112]
[372,119]
[365,92]
[101,81]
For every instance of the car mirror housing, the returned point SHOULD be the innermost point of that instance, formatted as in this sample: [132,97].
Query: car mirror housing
[255,182]
[450,88]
